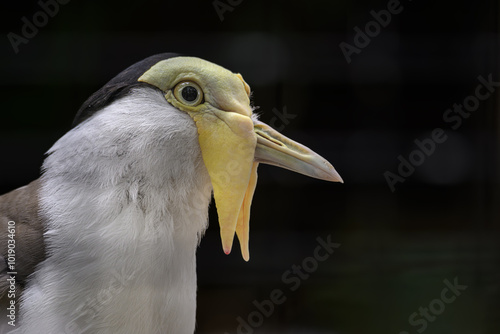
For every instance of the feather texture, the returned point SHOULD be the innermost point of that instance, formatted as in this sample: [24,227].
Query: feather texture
[125,194]
[21,207]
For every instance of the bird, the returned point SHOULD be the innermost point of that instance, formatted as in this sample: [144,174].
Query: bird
[106,237]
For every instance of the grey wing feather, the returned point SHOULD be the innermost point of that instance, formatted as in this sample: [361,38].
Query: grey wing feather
[21,207]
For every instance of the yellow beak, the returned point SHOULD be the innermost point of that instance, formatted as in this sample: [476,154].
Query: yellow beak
[275,149]
[232,146]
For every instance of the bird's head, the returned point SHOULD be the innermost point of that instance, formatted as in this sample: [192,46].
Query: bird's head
[232,141]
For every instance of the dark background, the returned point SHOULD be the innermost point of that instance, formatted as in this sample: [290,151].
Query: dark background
[397,248]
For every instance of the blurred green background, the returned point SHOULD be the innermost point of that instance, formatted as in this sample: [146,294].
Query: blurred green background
[396,248]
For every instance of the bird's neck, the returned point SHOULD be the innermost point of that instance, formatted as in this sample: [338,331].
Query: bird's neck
[122,236]
[127,266]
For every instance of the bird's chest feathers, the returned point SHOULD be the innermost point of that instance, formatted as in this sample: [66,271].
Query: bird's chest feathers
[129,254]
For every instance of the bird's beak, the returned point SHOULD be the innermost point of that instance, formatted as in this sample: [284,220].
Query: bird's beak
[232,146]
[275,149]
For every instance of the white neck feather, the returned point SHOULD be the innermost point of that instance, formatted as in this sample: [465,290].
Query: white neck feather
[125,195]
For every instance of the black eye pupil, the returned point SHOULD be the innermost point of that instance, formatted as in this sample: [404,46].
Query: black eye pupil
[189,93]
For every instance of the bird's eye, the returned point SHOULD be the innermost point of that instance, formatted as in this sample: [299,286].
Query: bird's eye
[189,93]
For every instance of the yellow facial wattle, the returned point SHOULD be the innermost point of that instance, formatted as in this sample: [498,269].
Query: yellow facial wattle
[232,143]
